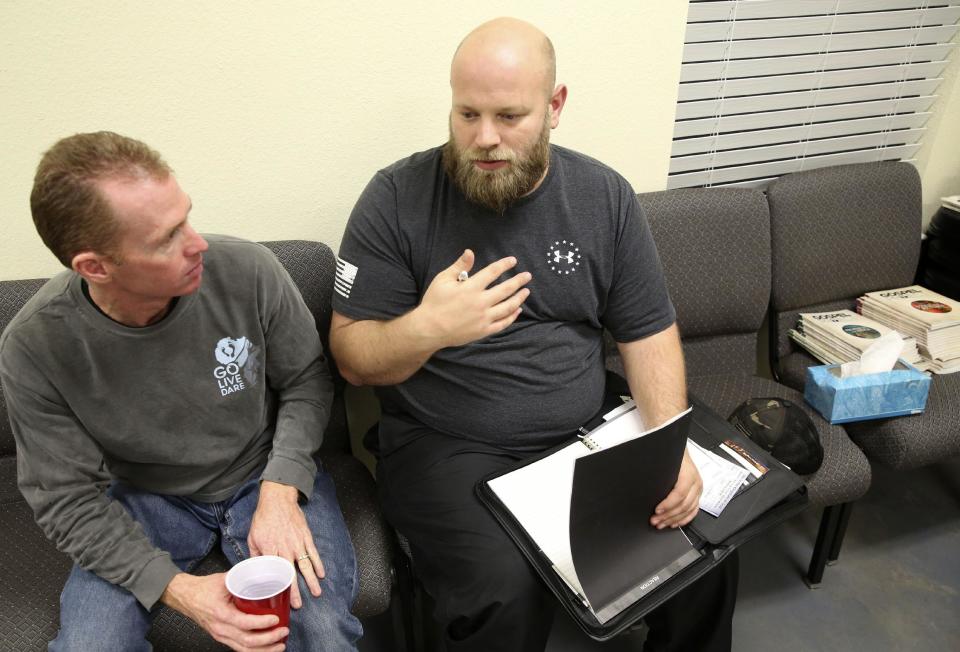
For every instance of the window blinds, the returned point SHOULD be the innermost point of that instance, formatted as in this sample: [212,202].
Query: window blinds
[775,86]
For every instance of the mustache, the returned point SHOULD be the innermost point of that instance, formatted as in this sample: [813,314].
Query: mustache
[491,155]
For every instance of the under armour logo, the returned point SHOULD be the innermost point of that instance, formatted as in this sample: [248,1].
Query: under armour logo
[563,263]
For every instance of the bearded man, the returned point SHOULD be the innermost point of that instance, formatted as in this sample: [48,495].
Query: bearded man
[473,286]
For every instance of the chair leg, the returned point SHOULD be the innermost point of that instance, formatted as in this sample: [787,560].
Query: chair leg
[845,510]
[821,549]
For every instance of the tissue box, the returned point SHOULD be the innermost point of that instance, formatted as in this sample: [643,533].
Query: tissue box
[902,390]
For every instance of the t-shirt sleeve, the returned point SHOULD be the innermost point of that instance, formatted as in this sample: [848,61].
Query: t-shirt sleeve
[638,303]
[374,278]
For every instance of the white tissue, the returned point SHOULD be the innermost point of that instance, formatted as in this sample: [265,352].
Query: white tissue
[878,357]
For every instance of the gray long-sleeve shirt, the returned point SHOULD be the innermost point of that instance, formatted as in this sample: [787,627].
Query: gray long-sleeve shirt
[231,381]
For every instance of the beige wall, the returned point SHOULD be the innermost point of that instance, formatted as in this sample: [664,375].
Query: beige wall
[939,158]
[276,114]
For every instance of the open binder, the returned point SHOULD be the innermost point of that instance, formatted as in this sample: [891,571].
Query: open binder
[612,558]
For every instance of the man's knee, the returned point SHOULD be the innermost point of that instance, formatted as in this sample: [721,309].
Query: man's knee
[98,615]
[326,619]
[500,579]
[499,599]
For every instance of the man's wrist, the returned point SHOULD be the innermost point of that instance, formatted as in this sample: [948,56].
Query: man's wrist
[271,490]
[172,596]
[423,330]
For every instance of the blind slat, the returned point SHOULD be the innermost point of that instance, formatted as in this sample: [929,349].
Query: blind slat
[709,11]
[726,124]
[799,149]
[782,47]
[785,83]
[780,101]
[775,27]
[760,137]
[811,62]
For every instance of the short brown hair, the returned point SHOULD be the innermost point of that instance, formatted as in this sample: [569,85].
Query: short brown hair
[70,213]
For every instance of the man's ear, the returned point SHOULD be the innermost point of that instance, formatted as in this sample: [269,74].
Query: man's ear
[93,267]
[557,100]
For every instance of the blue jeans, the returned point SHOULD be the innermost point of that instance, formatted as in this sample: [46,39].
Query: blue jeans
[98,615]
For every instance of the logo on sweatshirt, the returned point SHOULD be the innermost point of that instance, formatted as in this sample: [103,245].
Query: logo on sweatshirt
[563,257]
[239,364]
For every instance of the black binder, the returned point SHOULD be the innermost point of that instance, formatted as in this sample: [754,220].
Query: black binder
[775,497]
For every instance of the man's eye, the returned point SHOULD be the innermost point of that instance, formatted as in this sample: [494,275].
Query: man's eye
[468,115]
[509,117]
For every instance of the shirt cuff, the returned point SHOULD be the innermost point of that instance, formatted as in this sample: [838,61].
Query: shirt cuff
[287,471]
[153,579]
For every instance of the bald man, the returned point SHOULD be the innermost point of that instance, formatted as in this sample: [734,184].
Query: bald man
[474,283]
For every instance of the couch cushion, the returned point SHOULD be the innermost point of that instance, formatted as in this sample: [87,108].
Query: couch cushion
[13,294]
[356,493]
[722,354]
[9,492]
[32,573]
[714,245]
[843,230]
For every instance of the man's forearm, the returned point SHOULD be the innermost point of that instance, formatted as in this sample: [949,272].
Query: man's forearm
[373,352]
[655,372]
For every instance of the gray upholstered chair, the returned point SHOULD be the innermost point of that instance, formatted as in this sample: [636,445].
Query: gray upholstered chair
[32,571]
[836,233]
[714,245]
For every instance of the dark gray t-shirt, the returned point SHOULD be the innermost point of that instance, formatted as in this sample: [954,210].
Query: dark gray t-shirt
[582,236]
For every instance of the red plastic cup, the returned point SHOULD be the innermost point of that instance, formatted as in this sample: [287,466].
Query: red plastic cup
[261,585]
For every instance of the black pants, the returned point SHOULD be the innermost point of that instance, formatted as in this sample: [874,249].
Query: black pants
[487,596]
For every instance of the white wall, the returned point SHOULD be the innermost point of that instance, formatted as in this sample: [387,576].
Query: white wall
[276,114]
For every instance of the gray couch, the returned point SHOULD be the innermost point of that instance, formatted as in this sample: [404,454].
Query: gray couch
[32,571]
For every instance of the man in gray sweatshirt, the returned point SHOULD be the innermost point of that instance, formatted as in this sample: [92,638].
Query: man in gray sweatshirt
[168,392]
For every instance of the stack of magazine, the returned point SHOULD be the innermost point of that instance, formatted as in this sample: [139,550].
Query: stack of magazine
[839,336]
[931,318]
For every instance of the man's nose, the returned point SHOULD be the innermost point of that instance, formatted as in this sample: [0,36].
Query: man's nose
[195,242]
[488,136]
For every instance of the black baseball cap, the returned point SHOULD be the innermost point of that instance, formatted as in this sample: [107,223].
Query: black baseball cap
[783,429]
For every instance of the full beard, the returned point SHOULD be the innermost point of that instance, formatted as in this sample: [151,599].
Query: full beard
[497,189]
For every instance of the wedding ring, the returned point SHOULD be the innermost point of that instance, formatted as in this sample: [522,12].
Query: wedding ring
[463,276]
[305,555]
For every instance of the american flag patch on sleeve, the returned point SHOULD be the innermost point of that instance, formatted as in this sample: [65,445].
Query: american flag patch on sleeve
[343,282]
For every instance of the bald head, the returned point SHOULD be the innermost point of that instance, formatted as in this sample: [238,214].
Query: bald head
[504,105]
[506,46]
